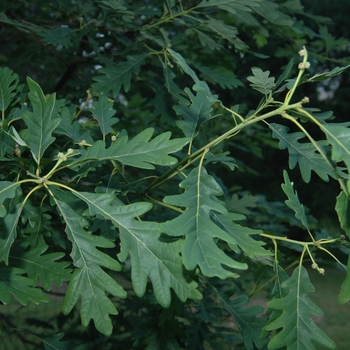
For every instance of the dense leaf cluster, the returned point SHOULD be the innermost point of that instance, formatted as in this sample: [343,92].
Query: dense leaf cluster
[117,183]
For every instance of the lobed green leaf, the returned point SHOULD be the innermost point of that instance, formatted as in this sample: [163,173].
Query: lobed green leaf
[248,322]
[55,342]
[195,112]
[326,75]
[295,327]
[113,77]
[198,228]
[293,200]
[8,231]
[344,295]
[241,205]
[342,208]
[140,152]
[41,122]
[72,128]
[339,137]
[271,12]
[7,190]
[89,281]
[63,35]
[8,86]
[45,267]
[227,32]
[220,75]
[13,283]
[229,5]
[305,154]
[150,257]
[103,112]
[261,81]
[241,239]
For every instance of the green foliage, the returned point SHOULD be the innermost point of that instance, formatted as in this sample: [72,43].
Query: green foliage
[196,223]
[298,329]
[248,321]
[40,124]
[293,200]
[305,154]
[261,81]
[103,112]
[115,76]
[21,287]
[89,281]
[8,84]
[119,188]
[139,152]
[42,267]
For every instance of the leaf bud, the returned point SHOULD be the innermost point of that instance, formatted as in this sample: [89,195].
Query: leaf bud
[321,271]
[60,155]
[17,150]
[303,65]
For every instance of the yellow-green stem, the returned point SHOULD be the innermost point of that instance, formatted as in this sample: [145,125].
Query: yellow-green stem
[196,155]
[290,94]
